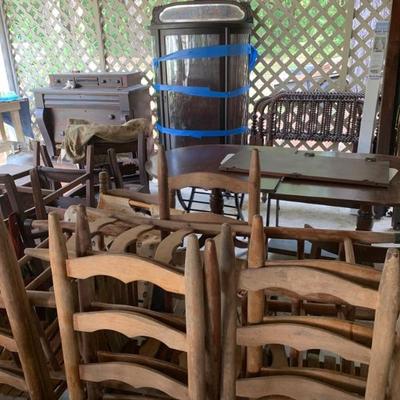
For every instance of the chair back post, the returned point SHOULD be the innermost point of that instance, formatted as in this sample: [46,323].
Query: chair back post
[89,167]
[65,302]
[195,315]
[40,152]
[83,242]
[254,185]
[12,194]
[163,191]
[394,381]
[104,182]
[40,208]
[24,330]
[36,153]
[255,299]
[86,291]
[142,157]
[213,319]
[115,171]
[228,274]
[383,339]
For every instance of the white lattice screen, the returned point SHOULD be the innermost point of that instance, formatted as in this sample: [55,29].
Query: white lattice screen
[308,44]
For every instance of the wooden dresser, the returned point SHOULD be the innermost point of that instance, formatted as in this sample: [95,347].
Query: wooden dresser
[104,98]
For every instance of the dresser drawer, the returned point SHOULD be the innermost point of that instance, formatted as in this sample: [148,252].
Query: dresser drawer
[61,118]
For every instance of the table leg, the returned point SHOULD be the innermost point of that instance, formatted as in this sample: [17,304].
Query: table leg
[16,120]
[217,202]
[365,220]
[2,129]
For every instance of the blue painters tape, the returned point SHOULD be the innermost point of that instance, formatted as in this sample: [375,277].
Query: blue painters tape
[224,50]
[201,91]
[201,133]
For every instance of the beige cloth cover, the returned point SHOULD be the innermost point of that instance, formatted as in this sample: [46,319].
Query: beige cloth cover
[80,132]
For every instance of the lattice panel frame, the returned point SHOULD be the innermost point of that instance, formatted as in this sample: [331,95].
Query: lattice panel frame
[293,46]
[366,13]
[293,36]
[127,38]
[50,36]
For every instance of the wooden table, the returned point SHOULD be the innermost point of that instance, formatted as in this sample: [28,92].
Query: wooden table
[208,158]
[15,170]
[13,108]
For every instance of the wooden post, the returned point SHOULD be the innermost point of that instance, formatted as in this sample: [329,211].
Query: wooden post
[36,153]
[65,303]
[20,316]
[86,292]
[213,319]
[389,87]
[40,209]
[228,274]
[195,315]
[89,167]
[162,176]
[104,182]
[255,302]
[383,339]
[254,185]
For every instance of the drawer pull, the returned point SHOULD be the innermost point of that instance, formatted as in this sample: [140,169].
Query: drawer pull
[111,116]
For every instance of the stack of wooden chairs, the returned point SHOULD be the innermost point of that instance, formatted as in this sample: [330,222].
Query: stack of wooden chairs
[301,329]
[190,319]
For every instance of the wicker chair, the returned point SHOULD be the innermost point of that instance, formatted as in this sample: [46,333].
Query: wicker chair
[308,116]
[333,117]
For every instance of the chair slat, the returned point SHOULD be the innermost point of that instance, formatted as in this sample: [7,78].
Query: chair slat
[8,342]
[166,249]
[131,325]
[348,382]
[172,320]
[309,284]
[357,273]
[14,380]
[136,376]
[208,181]
[294,387]
[173,370]
[360,333]
[127,238]
[128,269]
[302,338]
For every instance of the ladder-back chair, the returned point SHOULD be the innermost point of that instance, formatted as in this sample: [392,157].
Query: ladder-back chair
[222,181]
[27,370]
[51,178]
[167,186]
[127,268]
[327,282]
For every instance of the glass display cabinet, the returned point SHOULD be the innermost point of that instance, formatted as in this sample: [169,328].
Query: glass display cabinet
[202,25]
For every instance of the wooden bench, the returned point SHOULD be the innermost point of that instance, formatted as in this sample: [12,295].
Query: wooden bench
[308,116]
